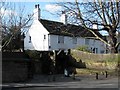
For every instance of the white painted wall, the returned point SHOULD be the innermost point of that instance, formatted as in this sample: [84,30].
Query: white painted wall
[97,44]
[68,43]
[37,32]
[80,41]
[53,43]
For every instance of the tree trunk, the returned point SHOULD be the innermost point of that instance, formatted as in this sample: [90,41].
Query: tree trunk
[113,40]
[114,50]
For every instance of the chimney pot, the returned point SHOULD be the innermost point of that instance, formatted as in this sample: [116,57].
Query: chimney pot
[38,5]
[35,6]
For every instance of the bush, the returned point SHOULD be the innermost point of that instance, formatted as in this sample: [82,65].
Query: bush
[33,54]
[83,48]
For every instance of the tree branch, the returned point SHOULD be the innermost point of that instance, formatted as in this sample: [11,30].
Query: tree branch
[117,45]
[99,38]
[113,17]
[118,13]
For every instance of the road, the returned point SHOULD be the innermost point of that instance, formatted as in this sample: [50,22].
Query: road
[64,82]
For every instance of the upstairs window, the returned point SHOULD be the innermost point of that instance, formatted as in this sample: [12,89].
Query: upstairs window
[60,39]
[44,36]
[74,40]
[29,39]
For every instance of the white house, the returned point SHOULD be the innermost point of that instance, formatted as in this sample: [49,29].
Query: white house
[45,35]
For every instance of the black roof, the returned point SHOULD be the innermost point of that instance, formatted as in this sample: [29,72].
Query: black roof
[59,28]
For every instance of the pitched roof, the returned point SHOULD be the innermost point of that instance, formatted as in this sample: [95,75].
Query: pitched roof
[58,28]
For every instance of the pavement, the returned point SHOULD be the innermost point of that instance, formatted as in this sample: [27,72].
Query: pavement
[60,81]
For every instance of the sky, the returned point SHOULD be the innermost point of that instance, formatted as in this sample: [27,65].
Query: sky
[48,9]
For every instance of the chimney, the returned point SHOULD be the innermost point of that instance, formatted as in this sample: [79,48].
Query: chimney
[36,13]
[63,18]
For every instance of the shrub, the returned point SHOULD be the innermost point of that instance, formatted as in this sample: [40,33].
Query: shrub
[33,54]
[83,48]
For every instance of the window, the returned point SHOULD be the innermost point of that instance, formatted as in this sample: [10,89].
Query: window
[44,36]
[87,41]
[96,50]
[60,39]
[29,39]
[93,50]
[74,40]
[102,51]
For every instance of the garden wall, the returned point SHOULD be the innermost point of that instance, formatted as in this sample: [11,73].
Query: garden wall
[15,67]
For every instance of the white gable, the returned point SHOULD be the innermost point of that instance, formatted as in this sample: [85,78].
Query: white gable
[36,33]
[37,28]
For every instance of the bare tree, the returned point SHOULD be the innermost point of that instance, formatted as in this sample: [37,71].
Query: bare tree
[14,22]
[105,14]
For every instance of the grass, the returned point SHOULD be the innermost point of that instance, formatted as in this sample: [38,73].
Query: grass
[95,57]
[88,71]
[99,61]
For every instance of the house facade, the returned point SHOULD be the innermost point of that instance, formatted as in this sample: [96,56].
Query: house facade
[46,35]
